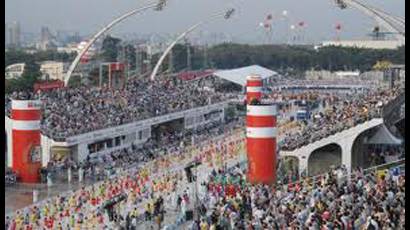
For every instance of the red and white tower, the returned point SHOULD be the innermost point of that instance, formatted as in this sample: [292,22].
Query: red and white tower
[261,142]
[253,88]
[26,139]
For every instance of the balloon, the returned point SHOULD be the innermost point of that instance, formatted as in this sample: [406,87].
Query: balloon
[338,27]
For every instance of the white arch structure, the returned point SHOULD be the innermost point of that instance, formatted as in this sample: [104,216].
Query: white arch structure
[391,23]
[157,5]
[226,14]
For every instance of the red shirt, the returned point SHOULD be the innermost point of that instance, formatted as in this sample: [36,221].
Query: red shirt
[49,223]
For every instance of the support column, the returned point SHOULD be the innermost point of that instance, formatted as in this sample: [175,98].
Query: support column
[69,174]
[347,145]
[253,88]
[261,143]
[26,139]
[80,174]
[109,76]
[303,165]
[35,196]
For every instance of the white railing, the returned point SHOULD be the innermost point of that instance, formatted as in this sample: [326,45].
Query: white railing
[124,129]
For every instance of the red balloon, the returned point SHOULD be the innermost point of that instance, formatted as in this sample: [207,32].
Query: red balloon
[338,27]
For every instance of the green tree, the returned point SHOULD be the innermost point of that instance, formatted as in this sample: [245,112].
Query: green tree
[27,80]
[110,49]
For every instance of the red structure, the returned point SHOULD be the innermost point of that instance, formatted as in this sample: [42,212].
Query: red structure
[253,88]
[260,140]
[116,74]
[48,85]
[194,75]
[26,139]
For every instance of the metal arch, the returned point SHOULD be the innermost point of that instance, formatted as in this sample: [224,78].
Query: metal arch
[226,15]
[383,18]
[393,20]
[101,32]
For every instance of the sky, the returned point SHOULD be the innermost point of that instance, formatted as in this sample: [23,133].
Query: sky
[87,16]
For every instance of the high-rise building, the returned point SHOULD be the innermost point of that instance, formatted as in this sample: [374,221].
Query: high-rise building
[45,34]
[15,34]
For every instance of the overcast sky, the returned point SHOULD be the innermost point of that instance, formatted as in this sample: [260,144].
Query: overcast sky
[86,16]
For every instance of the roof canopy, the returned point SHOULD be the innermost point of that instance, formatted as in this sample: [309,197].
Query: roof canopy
[238,76]
[384,136]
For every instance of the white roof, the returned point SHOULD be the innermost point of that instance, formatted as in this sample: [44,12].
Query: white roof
[384,136]
[239,75]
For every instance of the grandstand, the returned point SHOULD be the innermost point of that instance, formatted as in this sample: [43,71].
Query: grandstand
[133,171]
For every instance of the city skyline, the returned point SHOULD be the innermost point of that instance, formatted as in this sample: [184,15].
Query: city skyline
[243,27]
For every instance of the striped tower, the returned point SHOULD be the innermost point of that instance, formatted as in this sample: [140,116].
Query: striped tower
[26,139]
[253,88]
[261,143]
[260,135]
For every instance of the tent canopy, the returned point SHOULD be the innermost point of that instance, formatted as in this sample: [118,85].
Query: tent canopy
[384,136]
[238,76]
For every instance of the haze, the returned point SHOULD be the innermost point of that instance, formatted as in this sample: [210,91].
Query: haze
[86,16]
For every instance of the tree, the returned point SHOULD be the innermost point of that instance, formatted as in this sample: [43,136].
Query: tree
[131,57]
[110,49]
[13,56]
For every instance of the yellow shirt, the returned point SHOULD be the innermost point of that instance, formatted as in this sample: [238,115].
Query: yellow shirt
[204,226]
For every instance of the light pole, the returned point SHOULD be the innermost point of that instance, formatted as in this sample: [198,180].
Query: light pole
[226,14]
[156,5]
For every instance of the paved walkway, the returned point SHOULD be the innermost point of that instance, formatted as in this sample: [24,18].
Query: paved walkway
[21,195]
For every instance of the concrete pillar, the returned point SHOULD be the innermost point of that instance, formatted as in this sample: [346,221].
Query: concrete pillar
[35,196]
[347,145]
[80,174]
[261,143]
[303,165]
[253,88]
[49,181]
[69,174]
[26,137]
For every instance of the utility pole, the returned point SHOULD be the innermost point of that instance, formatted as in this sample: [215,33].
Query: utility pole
[137,59]
[149,57]
[188,55]
[124,61]
[171,62]
[205,64]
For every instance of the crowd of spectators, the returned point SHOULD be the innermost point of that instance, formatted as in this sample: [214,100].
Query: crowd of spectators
[336,82]
[343,114]
[95,206]
[366,201]
[71,111]
[99,166]
[378,156]
[10,176]
[229,201]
